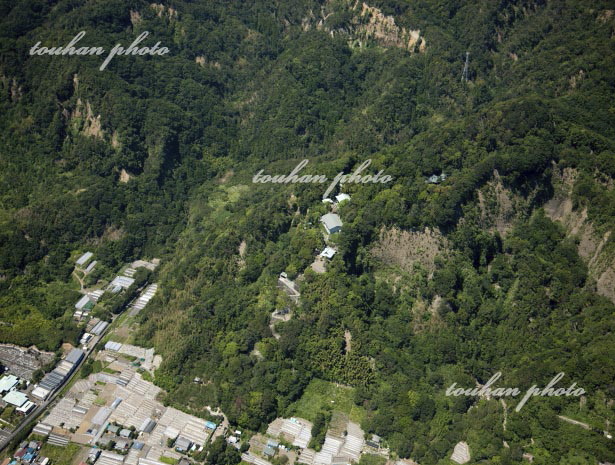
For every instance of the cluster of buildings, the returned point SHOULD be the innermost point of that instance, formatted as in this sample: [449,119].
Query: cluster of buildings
[86,303]
[118,411]
[27,453]
[332,221]
[58,375]
[94,328]
[338,199]
[11,395]
[436,178]
[119,283]
[144,358]
[344,442]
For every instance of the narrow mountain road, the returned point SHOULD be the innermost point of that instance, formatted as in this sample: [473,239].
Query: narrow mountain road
[574,422]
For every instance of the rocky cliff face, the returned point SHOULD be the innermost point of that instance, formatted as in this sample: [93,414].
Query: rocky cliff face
[364,25]
[596,248]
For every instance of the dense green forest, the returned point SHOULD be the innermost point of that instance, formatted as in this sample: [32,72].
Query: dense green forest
[505,266]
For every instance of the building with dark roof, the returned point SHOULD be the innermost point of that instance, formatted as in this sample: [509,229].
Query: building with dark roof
[74,356]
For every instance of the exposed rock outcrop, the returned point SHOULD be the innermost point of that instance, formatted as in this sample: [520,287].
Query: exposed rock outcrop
[135,17]
[164,11]
[364,25]
[596,249]
[499,206]
[83,119]
[124,176]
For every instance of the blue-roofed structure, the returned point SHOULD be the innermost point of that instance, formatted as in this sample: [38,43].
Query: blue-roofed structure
[74,356]
[210,425]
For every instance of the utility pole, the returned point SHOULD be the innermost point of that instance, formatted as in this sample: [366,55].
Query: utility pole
[464,74]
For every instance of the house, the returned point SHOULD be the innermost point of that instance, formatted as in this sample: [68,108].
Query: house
[435,179]
[40,393]
[269,451]
[26,408]
[341,197]
[113,429]
[15,398]
[182,444]
[122,444]
[332,222]
[8,382]
[328,252]
[125,433]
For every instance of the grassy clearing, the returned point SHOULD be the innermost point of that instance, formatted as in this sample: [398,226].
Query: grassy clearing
[319,395]
[60,455]
[168,460]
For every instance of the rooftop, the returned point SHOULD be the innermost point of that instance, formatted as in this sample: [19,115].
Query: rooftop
[84,258]
[8,382]
[331,221]
[15,398]
[74,356]
[328,252]
[122,281]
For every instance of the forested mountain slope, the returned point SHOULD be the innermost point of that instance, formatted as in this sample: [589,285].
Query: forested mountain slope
[506,265]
